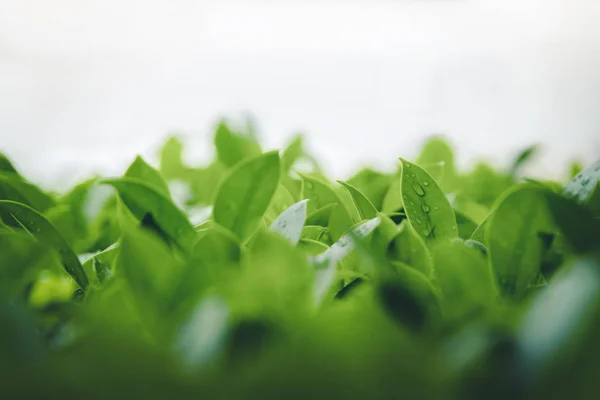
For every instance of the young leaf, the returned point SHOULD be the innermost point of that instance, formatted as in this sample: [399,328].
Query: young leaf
[392,202]
[233,148]
[464,278]
[39,227]
[409,248]
[291,153]
[582,186]
[513,237]
[373,184]
[316,232]
[152,207]
[171,164]
[139,169]
[523,157]
[366,209]
[426,206]
[319,193]
[435,153]
[290,223]
[244,195]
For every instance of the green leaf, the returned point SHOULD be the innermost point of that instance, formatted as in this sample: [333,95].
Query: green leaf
[99,266]
[514,237]
[281,201]
[245,194]
[392,201]
[171,164]
[153,208]
[150,271]
[327,261]
[366,209]
[437,159]
[291,153]
[409,248]
[139,169]
[575,221]
[21,259]
[316,232]
[426,206]
[464,278]
[582,186]
[6,165]
[233,148]
[373,184]
[466,226]
[312,247]
[290,223]
[523,157]
[13,187]
[552,329]
[39,227]
[320,193]
[321,216]
[409,297]
[339,221]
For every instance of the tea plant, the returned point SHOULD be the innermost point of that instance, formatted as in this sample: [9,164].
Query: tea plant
[424,282]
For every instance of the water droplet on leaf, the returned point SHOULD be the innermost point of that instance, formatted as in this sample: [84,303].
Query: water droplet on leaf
[425,183]
[426,208]
[418,220]
[418,189]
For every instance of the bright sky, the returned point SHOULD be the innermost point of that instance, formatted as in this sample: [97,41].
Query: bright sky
[85,85]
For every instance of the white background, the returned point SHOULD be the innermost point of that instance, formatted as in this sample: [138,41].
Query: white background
[85,85]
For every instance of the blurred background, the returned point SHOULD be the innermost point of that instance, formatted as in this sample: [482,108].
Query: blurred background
[86,85]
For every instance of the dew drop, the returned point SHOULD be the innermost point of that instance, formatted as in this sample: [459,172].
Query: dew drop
[436,208]
[426,208]
[418,189]
[453,228]
[413,175]
[425,183]
[426,232]
[407,165]
[418,220]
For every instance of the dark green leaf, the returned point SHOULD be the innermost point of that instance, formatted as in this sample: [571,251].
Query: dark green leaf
[39,227]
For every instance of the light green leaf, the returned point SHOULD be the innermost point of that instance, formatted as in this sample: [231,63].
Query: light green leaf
[245,194]
[437,159]
[233,148]
[426,206]
[291,153]
[139,169]
[366,209]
